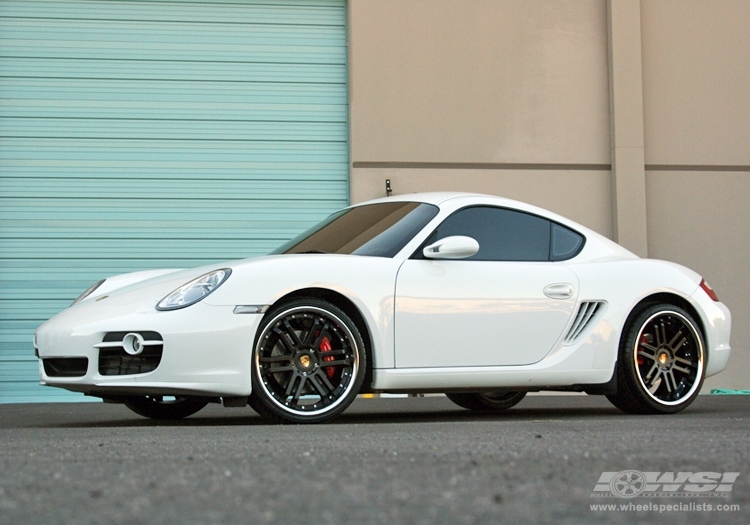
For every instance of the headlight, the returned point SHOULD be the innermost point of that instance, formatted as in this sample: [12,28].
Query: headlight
[88,292]
[194,291]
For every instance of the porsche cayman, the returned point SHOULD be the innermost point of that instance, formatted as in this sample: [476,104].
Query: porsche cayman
[482,298]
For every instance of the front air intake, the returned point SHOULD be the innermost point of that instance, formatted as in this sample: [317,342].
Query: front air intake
[586,314]
[65,366]
[129,353]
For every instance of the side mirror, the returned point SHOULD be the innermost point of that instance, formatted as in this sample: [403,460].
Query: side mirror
[455,247]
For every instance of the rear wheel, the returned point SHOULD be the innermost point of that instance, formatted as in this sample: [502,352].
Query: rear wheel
[165,407]
[309,362]
[661,362]
[493,401]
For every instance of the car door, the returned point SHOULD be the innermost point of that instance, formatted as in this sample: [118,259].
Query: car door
[506,305]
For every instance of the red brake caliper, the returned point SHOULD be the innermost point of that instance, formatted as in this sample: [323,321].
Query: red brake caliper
[325,346]
[639,359]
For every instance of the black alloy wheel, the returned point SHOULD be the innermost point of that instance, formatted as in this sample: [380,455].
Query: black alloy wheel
[309,362]
[661,366]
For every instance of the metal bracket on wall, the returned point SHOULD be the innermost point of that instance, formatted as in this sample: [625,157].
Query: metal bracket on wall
[388,190]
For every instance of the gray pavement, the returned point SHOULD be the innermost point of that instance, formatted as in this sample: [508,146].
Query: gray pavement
[389,461]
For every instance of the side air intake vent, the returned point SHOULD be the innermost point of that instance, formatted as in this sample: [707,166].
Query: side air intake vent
[586,313]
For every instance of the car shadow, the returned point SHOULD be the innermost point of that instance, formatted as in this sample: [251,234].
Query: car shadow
[369,418]
[391,411]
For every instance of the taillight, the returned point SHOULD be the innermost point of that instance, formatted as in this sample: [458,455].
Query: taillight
[709,290]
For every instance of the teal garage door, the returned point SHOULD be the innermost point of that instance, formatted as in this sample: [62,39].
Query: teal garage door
[138,135]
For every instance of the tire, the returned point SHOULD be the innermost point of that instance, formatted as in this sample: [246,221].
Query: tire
[493,401]
[259,407]
[156,407]
[661,362]
[309,362]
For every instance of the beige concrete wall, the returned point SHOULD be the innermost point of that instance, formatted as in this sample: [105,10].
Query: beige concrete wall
[479,81]
[696,81]
[696,87]
[490,85]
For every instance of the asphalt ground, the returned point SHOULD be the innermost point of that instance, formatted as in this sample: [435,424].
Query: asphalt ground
[385,461]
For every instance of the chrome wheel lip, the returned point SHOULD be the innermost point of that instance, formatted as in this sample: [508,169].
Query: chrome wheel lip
[701,357]
[341,325]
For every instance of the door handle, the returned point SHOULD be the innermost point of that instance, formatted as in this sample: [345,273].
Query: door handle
[559,291]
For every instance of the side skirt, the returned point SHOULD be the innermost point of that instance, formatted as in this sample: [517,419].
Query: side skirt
[490,378]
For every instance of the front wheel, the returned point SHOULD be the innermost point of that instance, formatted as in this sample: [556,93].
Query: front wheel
[661,364]
[308,364]
[165,407]
[493,401]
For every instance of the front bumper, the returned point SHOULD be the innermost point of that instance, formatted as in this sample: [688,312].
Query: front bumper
[206,351]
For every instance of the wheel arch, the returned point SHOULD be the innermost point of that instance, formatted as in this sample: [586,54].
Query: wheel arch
[350,309]
[666,298]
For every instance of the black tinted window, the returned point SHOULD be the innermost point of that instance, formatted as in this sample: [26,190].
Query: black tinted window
[566,243]
[502,234]
[379,230]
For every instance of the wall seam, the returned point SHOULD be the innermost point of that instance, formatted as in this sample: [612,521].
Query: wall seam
[482,166]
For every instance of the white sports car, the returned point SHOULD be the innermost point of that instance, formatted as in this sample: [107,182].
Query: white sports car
[479,297]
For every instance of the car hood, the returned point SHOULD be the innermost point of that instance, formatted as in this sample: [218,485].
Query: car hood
[258,279]
[154,284]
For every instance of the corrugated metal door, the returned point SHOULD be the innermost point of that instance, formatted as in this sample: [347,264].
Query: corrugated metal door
[139,135]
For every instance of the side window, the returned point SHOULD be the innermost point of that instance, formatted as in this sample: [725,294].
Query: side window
[566,243]
[502,234]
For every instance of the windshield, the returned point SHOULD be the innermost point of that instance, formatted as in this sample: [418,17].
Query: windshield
[377,230]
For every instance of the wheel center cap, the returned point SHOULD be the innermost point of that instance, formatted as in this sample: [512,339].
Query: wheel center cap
[304,360]
[663,358]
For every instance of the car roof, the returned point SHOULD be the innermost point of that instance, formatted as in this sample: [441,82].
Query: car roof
[459,199]
[436,197]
